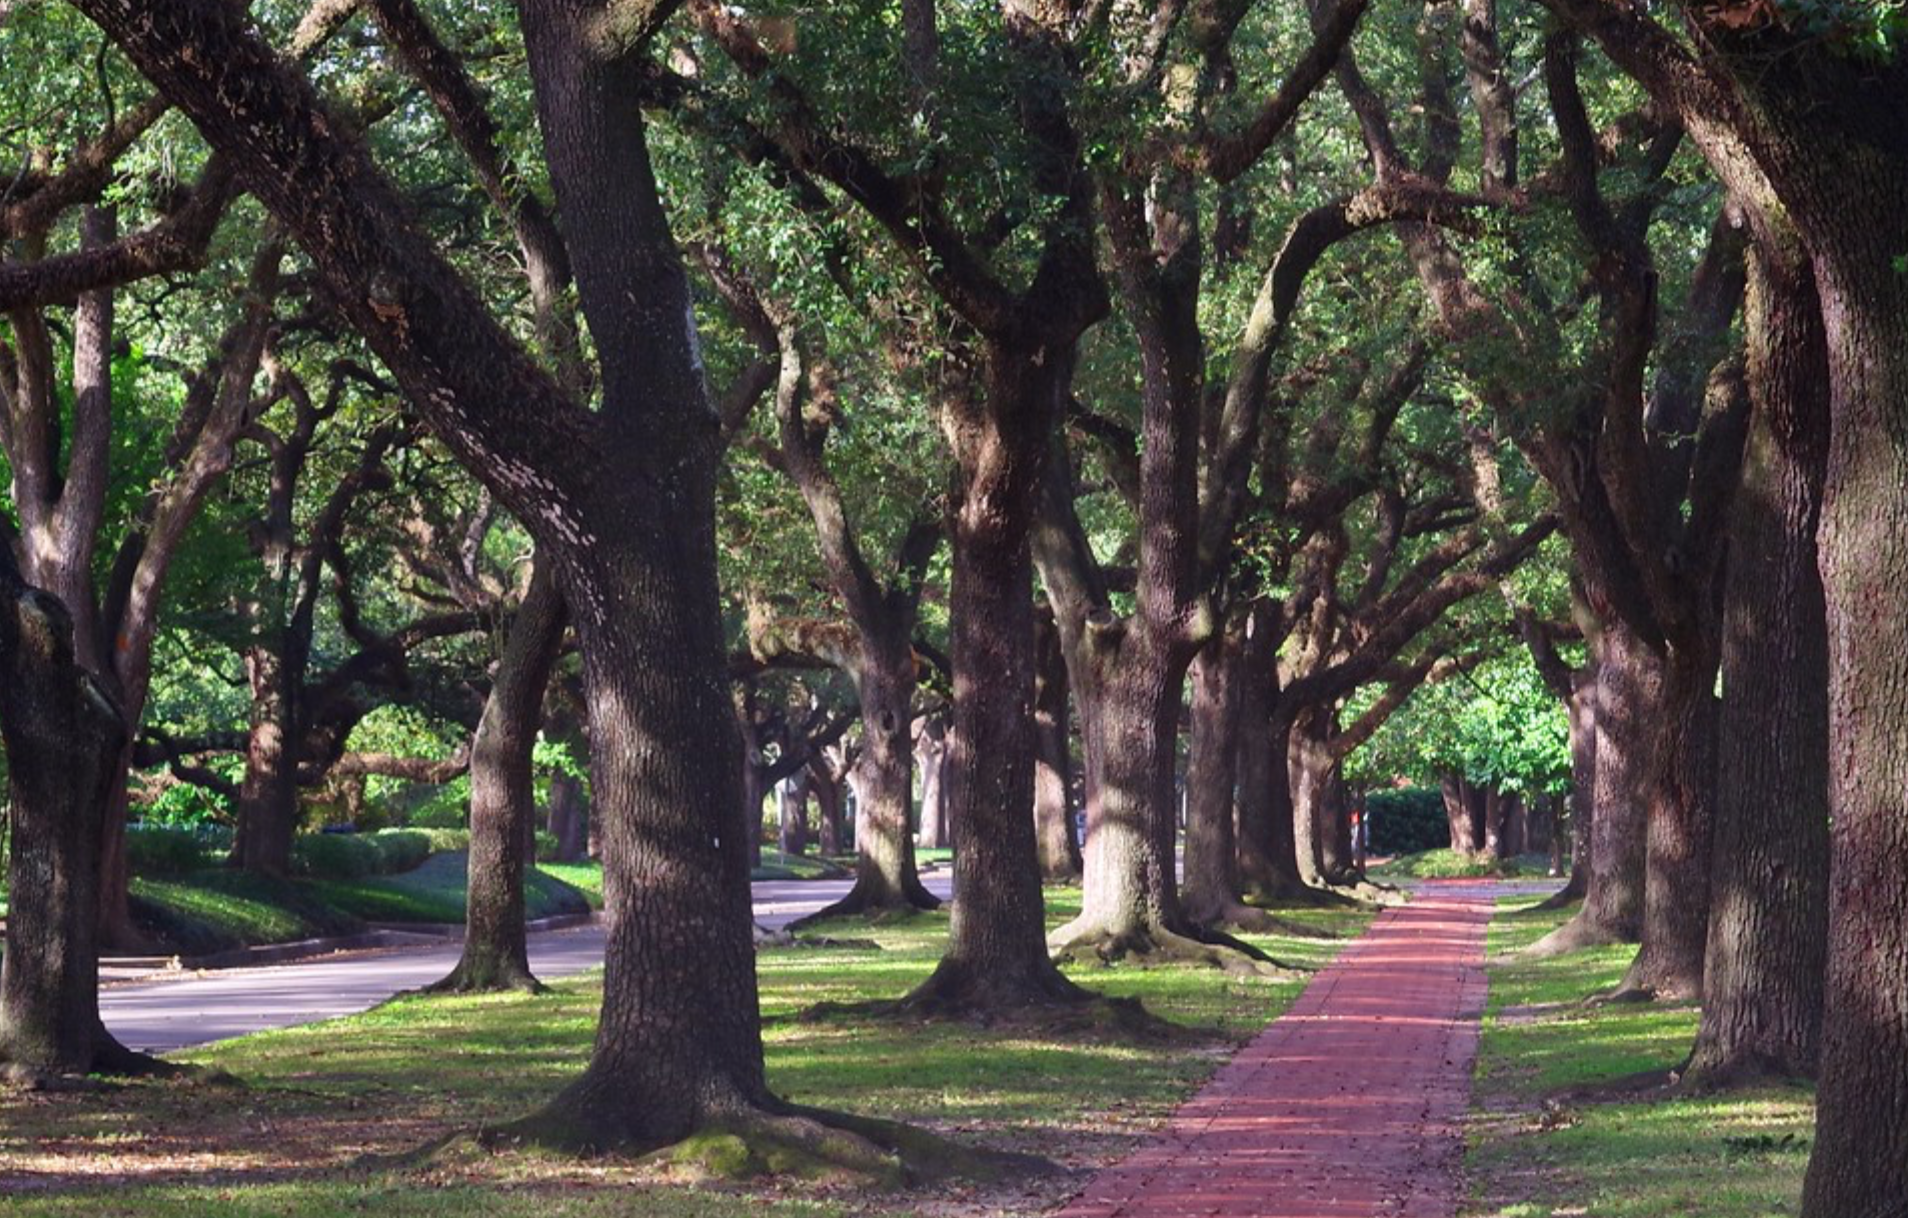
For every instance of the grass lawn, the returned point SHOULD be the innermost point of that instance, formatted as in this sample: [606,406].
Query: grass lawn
[779,866]
[326,1108]
[1543,1149]
[218,910]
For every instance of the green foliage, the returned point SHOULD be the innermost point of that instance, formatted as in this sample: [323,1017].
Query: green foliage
[1498,727]
[1407,820]
[352,856]
[172,850]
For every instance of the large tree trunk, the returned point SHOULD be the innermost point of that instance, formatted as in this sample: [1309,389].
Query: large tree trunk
[268,807]
[1856,172]
[1680,791]
[569,818]
[827,790]
[63,740]
[503,798]
[1055,835]
[1315,798]
[1457,814]
[1762,986]
[1212,858]
[996,958]
[1496,814]
[885,875]
[1129,893]
[1629,699]
[1268,847]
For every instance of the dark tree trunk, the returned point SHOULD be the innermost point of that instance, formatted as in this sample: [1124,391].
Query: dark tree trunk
[1268,846]
[1217,766]
[1629,700]
[931,748]
[268,808]
[1129,893]
[569,818]
[827,790]
[1681,792]
[1324,854]
[63,740]
[1516,826]
[503,798]
[1762,986]
[1054,832]
[996,957]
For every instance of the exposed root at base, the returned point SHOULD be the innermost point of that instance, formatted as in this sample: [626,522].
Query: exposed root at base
[787,1141]
[1737,1073]
[1155,945]
[464,980]
[857,902]
[1573,936]
[1053,1006]
[1252,920]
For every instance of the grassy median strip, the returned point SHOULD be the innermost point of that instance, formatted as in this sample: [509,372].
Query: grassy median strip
[326,1109]
[1553,1140]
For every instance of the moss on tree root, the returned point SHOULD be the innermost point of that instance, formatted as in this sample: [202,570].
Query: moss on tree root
[787,1141]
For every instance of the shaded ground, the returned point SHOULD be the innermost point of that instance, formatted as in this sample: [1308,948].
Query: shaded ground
[1547,1141]
[329,1112]
[1350,1106]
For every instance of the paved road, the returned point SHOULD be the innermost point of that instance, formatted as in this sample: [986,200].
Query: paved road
[194,1008]
[1350,1105]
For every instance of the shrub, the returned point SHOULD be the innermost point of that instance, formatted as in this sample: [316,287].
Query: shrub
[165,850]
[546,847]
[334,856]
[399,849]
[1407,820]
[443,840]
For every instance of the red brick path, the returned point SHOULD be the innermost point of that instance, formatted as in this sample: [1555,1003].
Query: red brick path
[1349,1105]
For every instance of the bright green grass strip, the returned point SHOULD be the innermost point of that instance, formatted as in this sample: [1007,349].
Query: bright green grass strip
[212,911]
[779,866]
[1536,1155]
[435,892]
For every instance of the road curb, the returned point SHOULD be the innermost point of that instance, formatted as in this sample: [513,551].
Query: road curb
[380,935]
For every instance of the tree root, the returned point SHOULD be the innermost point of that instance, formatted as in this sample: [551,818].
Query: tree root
[1252,920]
[504,979]
[1563,898]
[1044,1006]
[1154,944]
[1713,1073]
[1573,936]
[737,1143]
[858,902]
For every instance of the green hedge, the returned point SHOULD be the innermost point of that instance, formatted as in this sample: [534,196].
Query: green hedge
[353,856]
[165,850]
[1407,820]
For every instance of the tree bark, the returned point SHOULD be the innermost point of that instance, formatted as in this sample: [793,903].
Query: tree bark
[996,957]
[1268,845]
[1581,708]
[496,953]
[932,761]
[1629,686]
[1680,791]
[268,807]
[1054,831]
[569,818]
[792,807]
[1457,814]
[1762,986]
[63,739]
